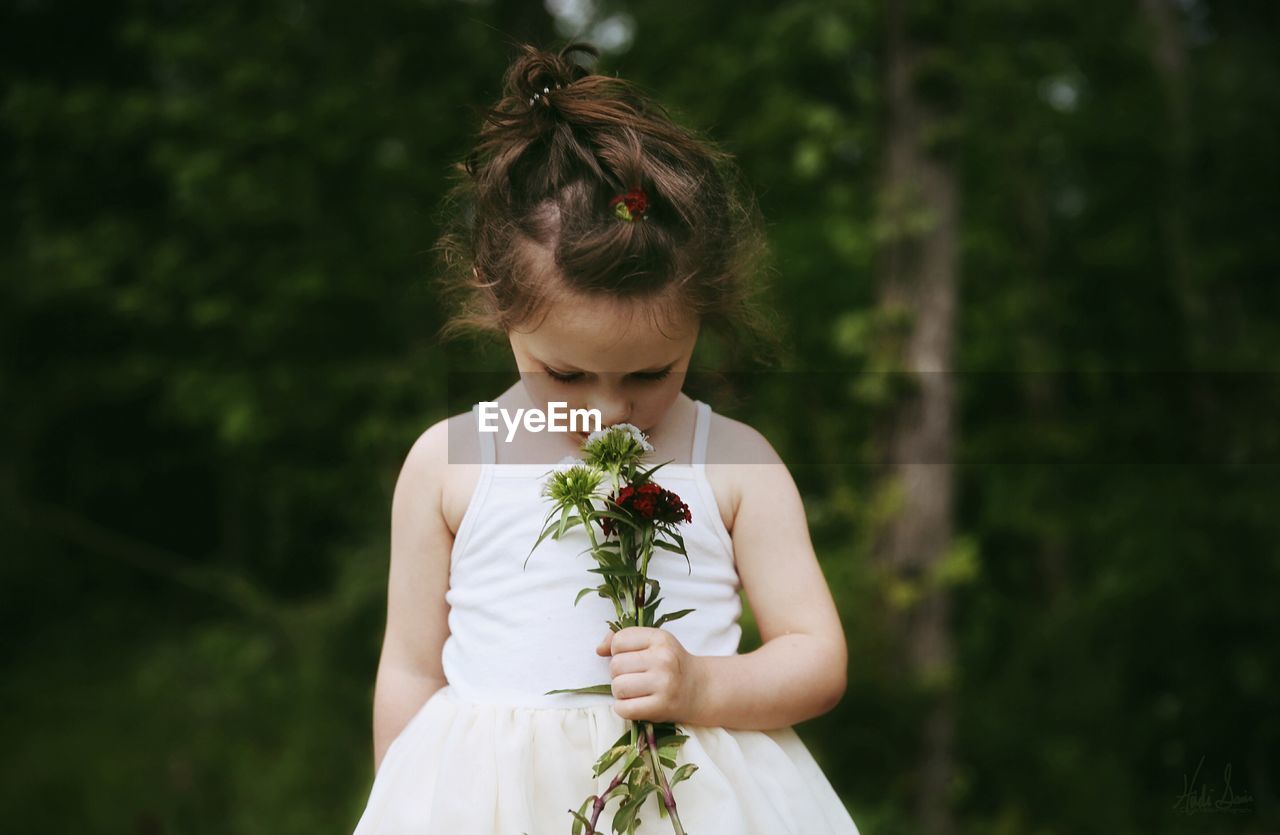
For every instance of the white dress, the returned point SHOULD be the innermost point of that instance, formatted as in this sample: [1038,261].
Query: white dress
[491,754]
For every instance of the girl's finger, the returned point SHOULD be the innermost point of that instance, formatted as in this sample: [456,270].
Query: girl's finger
[628,662]
[631,686]
[638,709]
[632,638]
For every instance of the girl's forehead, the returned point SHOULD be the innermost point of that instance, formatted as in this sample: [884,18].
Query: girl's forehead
[598,327]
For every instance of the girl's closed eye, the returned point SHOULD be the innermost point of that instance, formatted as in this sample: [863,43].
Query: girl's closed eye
[564,377]
[575,376]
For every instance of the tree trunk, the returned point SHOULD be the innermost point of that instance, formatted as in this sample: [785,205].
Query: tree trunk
[918,276]
[1042,386]
[1169,55]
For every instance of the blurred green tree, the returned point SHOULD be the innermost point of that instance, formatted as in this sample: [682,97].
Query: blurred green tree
[218,331]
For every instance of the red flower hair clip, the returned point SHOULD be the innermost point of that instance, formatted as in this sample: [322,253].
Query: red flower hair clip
[631,205]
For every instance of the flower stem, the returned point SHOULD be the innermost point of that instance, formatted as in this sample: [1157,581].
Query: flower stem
[584,511]
[668,799]
[646,551]
[598,806]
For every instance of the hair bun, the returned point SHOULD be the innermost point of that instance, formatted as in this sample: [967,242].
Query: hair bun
[535,74]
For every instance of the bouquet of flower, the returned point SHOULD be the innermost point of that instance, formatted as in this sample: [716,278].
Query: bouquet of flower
[612,490]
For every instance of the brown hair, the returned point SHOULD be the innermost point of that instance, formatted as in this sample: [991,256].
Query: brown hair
[531,215]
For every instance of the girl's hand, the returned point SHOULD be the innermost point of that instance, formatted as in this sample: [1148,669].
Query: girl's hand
[654,678]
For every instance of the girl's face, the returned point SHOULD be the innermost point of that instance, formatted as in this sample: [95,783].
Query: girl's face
[600,353]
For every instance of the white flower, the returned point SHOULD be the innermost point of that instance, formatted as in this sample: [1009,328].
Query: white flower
[567,461]
[572,485]
[630,429]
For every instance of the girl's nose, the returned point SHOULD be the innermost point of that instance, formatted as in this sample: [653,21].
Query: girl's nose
[612,410]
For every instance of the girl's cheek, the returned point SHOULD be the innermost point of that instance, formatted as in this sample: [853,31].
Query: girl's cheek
[655,405]
[543,390]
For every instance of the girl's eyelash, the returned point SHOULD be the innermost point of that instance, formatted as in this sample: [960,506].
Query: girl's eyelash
[573,377]
[564,378]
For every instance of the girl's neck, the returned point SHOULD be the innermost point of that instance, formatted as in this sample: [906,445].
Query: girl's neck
[672,437]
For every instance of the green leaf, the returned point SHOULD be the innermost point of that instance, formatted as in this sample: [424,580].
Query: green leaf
[612,571]
[646,475]
[602,689]
[669,743]
[626,814]
[682,773]
[603,556]
[567,525]
[633,756]
[678,547]
[617,517]
[672,616]
[629,755]
[609,758]
[547,531]
[668,546]
[581,819]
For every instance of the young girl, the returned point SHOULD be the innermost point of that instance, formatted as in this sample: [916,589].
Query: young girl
[598,238]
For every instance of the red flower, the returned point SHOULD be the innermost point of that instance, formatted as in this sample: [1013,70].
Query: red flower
[648,502]
[631,205]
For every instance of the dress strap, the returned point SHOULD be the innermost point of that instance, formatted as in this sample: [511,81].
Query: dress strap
[487,454]
[701,427]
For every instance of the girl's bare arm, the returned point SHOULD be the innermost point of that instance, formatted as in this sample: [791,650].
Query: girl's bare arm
[800,671]
[409,669]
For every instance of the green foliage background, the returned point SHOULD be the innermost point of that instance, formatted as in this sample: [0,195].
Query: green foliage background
[218,330]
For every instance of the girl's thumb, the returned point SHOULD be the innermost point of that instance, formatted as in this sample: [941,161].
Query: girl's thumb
[603,647]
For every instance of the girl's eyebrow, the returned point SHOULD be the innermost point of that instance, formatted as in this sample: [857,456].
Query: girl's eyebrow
[572,369]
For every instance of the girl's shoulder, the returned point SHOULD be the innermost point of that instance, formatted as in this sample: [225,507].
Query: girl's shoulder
[730,441]
[735,450]
[447,454]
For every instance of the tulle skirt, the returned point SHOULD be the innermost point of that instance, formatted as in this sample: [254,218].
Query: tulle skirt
[467,767]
